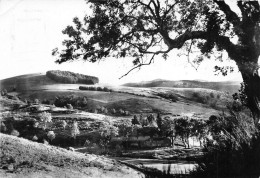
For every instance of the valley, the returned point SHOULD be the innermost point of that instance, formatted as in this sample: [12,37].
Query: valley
[102,121]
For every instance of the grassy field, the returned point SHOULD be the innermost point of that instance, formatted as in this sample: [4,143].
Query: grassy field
[40,160]
[133,99]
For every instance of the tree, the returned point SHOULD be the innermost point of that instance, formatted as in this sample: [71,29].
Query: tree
[3,92]
[125,130]
[159,121]
[113,111]
[183,127]
[146,29]
[168,129]
[199,129]
[75,130]
[45,118]
[69,106]
[51,135]
[151,119]
[64,124]
[135,120]
[106,131]
[143,120]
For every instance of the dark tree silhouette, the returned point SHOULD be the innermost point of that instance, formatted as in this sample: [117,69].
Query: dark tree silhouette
[135,120]
[146,29]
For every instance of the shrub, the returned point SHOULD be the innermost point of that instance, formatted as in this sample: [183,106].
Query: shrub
[199,98]
[213,104]
[4,92]
[36,101]
[45,142]
[127,113]
[45,101]
[212,95]
[3,128]
[105,111]
[87,143]
[51,135]
[121,111]
[83,88]
[35,138]
[171,97]
[15,133]
[73,100]
[105,89]
[99,89]
[233,150]
[36,124]
[69,106]
[113,111]
[92,88]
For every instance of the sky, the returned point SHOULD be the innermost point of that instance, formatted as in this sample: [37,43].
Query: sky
[30,29]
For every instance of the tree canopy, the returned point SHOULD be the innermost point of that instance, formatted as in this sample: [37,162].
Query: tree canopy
[146,29]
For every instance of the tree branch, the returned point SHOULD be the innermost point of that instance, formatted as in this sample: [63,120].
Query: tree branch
[168,10]
[138,66]
[188,56]
[231,16]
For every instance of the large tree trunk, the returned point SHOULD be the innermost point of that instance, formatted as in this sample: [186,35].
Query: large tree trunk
[251,81]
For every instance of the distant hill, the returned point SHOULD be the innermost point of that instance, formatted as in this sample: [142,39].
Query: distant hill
[71,77]
[37,80]
[229,86]
[25,82]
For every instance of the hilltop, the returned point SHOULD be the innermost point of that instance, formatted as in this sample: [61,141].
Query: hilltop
[35,81]
[228,86]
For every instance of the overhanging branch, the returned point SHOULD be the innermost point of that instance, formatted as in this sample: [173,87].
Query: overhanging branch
[138,66]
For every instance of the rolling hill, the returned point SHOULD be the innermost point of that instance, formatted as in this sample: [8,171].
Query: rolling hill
[228,86]
[147,97]
[39,160]
[25,82]
[37,80]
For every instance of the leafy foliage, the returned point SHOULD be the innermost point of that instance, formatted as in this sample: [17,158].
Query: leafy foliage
[73,100]
[146,29]
[233,150]
[106,131]
[183,128]
[45,118]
